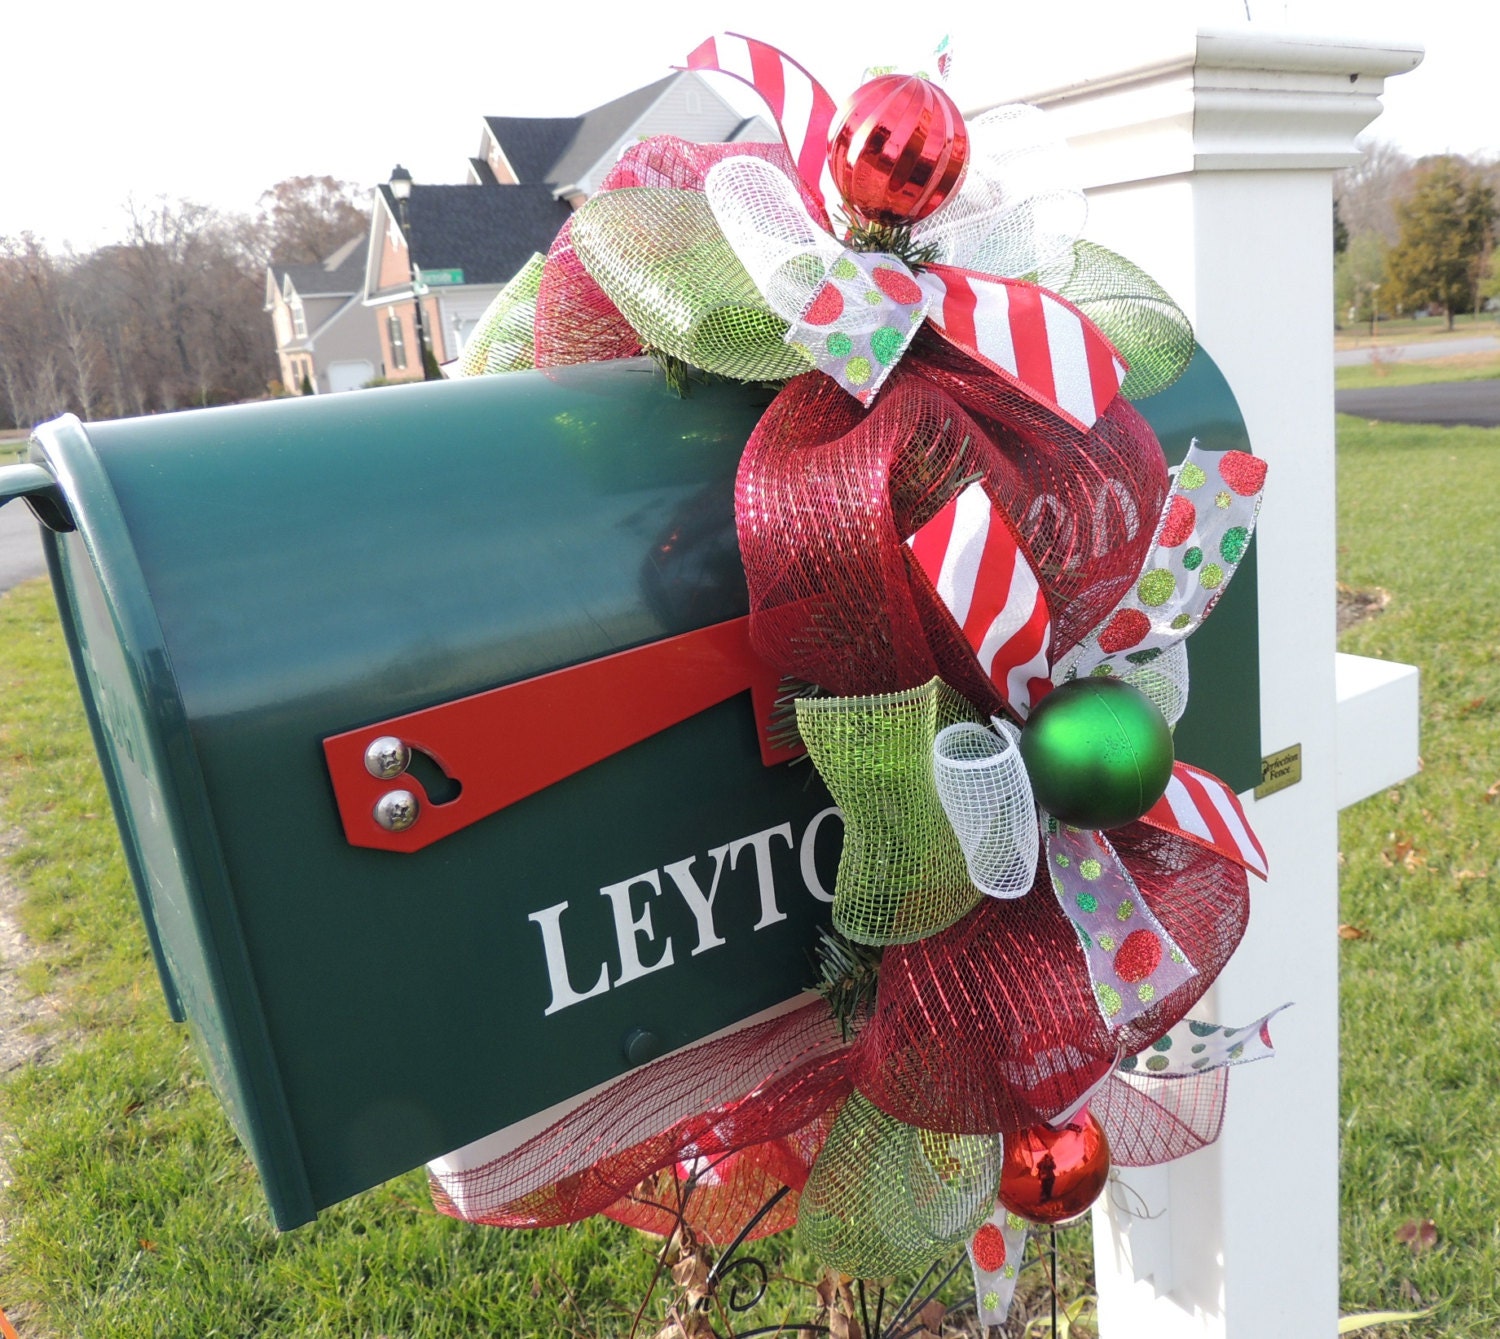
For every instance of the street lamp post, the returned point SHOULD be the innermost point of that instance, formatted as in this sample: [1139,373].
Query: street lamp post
[401,188]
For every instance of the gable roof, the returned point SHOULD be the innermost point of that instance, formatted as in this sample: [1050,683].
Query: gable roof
[337,275]
[488,232]
[561,149]
[532,144]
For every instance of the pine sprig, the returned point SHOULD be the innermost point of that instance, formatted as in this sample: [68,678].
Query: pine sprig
[680,373]
[782,730]
[848,977]
[892,239]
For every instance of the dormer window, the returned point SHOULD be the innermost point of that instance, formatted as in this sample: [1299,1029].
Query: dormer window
[299,317]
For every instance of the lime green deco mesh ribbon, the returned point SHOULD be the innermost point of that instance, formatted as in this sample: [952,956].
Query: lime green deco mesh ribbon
[902,874]
[505,338]
[660,257]
[884,1197]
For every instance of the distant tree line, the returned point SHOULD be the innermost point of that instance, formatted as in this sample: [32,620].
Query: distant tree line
[169,317]
[1415,235]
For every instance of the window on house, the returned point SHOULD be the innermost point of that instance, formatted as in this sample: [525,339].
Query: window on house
[397,338]
[299,317]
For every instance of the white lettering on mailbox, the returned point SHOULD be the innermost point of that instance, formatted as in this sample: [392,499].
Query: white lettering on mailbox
[629,928]
[563,994]
[634,928]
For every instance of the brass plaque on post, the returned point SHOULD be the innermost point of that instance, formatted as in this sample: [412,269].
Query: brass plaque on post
[1279,770]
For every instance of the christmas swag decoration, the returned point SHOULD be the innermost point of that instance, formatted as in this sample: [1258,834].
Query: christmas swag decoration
[964,548]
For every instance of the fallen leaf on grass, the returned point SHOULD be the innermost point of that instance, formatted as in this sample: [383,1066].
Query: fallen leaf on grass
[1419,1236]
[1464,875]
[1409,1293]
[1404,852]
[1352,932]
[1493,792]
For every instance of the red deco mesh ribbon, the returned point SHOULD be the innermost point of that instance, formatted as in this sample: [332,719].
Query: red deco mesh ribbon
[575,321]
[717,1195]
[992,1025]
[1150,1120]
[827,492]
[773,1081]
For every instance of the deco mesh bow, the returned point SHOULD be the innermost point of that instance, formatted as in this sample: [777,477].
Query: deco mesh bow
[964,547]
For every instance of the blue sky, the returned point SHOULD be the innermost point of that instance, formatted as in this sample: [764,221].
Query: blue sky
[186,99]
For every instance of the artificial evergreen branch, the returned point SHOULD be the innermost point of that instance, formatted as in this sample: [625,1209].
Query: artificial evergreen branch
[679,373]
[782,730]
[892,239]
[848,977]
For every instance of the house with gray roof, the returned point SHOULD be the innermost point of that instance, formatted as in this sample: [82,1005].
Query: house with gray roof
[573,153]
[324,338]
[464,242]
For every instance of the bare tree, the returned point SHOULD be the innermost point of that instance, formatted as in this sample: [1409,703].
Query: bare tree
[1367,193]
[170,316]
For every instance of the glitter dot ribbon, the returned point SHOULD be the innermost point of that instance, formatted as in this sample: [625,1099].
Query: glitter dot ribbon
[1203,533]
[1132,960]
[995,1252]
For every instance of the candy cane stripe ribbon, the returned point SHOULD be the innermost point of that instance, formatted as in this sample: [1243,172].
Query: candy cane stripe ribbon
[985,581]
[1031,337]
[801,107]
[1200,807]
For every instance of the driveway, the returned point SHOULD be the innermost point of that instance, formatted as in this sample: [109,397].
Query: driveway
[1447,403]
[20,545]
[1433,348]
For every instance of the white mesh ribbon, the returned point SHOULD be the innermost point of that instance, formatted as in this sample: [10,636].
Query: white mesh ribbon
[1019,208]
[986,795]
[852,314]
[1164,679]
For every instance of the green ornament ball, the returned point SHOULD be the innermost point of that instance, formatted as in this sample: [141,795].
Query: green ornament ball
[1098,752]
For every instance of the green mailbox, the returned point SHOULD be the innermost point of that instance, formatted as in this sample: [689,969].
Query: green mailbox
[435,743]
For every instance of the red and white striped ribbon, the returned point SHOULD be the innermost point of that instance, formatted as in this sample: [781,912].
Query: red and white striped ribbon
[802,108]
[985,580]
[1031,337]
[1200,807]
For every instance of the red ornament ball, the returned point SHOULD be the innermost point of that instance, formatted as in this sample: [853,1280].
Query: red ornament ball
[898,149]
[1049,1176]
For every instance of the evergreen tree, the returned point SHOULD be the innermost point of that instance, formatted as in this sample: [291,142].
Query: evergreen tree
[1447,225]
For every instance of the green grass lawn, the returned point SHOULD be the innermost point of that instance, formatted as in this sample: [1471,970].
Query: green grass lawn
[132,1211]
[1421,984]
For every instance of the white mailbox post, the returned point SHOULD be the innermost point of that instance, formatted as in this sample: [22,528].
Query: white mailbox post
[1208,158]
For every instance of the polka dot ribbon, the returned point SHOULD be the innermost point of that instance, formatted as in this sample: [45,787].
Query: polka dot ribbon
[1192,1047]
[1203,533]
[1132,960]
[859,321]
[995,1252]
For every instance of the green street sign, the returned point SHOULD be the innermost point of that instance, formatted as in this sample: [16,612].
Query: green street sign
[440,278]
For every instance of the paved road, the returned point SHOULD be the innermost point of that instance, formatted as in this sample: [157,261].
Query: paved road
[1434,348]
[1475,403]
[20,545]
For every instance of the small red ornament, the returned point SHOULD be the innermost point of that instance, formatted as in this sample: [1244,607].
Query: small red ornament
[898,149]
[1051,1175]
